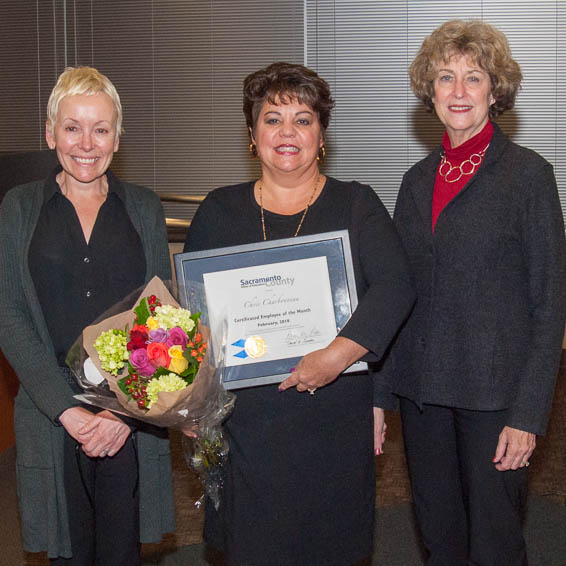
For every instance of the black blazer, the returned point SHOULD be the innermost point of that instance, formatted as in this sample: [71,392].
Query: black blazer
[487,328]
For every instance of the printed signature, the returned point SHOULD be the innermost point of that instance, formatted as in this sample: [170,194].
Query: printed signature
[298,338]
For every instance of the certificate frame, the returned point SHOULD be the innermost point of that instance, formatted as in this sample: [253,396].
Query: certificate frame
[191,268]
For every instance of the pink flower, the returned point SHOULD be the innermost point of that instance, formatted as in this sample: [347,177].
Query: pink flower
[158,335]
[177,337]
[139,359]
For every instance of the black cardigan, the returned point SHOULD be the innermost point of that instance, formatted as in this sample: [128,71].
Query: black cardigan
[487,328]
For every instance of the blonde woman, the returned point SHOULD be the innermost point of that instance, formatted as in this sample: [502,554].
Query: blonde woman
[70,247]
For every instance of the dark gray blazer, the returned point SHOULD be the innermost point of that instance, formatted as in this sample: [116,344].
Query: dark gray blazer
[487,328]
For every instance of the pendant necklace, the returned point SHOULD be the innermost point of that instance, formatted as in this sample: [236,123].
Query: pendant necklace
[259,187]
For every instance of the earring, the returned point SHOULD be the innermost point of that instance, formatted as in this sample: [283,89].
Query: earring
[253,151]
[321,154]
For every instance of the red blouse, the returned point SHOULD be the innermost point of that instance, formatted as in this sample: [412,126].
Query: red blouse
[457,167]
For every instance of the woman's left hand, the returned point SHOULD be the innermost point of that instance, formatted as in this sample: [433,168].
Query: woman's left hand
[514,449]
[379,430]
[110,434]
[321,367]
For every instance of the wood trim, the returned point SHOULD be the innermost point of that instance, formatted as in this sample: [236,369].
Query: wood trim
[8,390]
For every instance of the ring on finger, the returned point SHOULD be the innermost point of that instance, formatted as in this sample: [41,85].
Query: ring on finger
[525,464]
[104,453]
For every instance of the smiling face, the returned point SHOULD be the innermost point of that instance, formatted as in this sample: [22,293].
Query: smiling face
[462,97]
[84,136]
[288,137]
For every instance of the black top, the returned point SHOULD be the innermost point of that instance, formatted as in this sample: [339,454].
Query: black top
[75,281]
[300,484]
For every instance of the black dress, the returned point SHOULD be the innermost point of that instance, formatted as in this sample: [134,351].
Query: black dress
[300,484]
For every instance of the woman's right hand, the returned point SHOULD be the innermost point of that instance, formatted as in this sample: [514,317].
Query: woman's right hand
[100,435]
[73,420]
[106,433]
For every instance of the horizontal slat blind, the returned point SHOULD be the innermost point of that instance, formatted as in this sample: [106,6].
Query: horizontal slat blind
[379,128]
[178,66]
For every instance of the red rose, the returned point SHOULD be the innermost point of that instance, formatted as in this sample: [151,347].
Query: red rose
[158,355]
[138,337]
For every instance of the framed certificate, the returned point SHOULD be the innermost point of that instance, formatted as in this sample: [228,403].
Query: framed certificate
[270,303]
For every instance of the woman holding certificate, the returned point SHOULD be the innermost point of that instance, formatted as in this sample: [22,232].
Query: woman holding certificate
[300,483]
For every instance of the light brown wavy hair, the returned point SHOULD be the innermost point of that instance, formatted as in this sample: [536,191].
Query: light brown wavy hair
[486,46]
[285,82]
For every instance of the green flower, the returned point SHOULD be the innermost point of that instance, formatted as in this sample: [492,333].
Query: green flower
[169,317]
[168,382]
[112,350]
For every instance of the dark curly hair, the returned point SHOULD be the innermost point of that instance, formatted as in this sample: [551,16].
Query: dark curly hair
[285,82]
[485,45]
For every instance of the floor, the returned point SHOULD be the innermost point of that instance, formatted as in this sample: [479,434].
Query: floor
[546,517]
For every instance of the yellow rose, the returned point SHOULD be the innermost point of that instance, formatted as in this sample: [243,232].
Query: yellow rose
[178,362]
[152,323]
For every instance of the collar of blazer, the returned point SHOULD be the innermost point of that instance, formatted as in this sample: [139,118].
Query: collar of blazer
[425,175]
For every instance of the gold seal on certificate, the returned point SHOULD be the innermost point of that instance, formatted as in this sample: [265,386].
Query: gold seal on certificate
[255,346]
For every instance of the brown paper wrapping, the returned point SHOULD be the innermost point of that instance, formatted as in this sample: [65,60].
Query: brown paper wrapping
[176,408]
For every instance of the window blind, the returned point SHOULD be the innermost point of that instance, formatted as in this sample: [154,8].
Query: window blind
[379,129]
[179,66]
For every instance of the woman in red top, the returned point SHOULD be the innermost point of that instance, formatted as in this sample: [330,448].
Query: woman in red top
[475,365]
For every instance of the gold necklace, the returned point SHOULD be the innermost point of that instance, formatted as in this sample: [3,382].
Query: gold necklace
[259,187]
[445,167]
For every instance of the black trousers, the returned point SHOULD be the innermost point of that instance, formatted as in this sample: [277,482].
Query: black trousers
[468,512]
[103,507]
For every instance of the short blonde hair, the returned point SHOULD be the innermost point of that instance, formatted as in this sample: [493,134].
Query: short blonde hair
[82,80]
[484,44]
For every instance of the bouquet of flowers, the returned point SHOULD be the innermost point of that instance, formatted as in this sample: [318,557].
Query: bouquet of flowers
[151,362]
[163,353]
